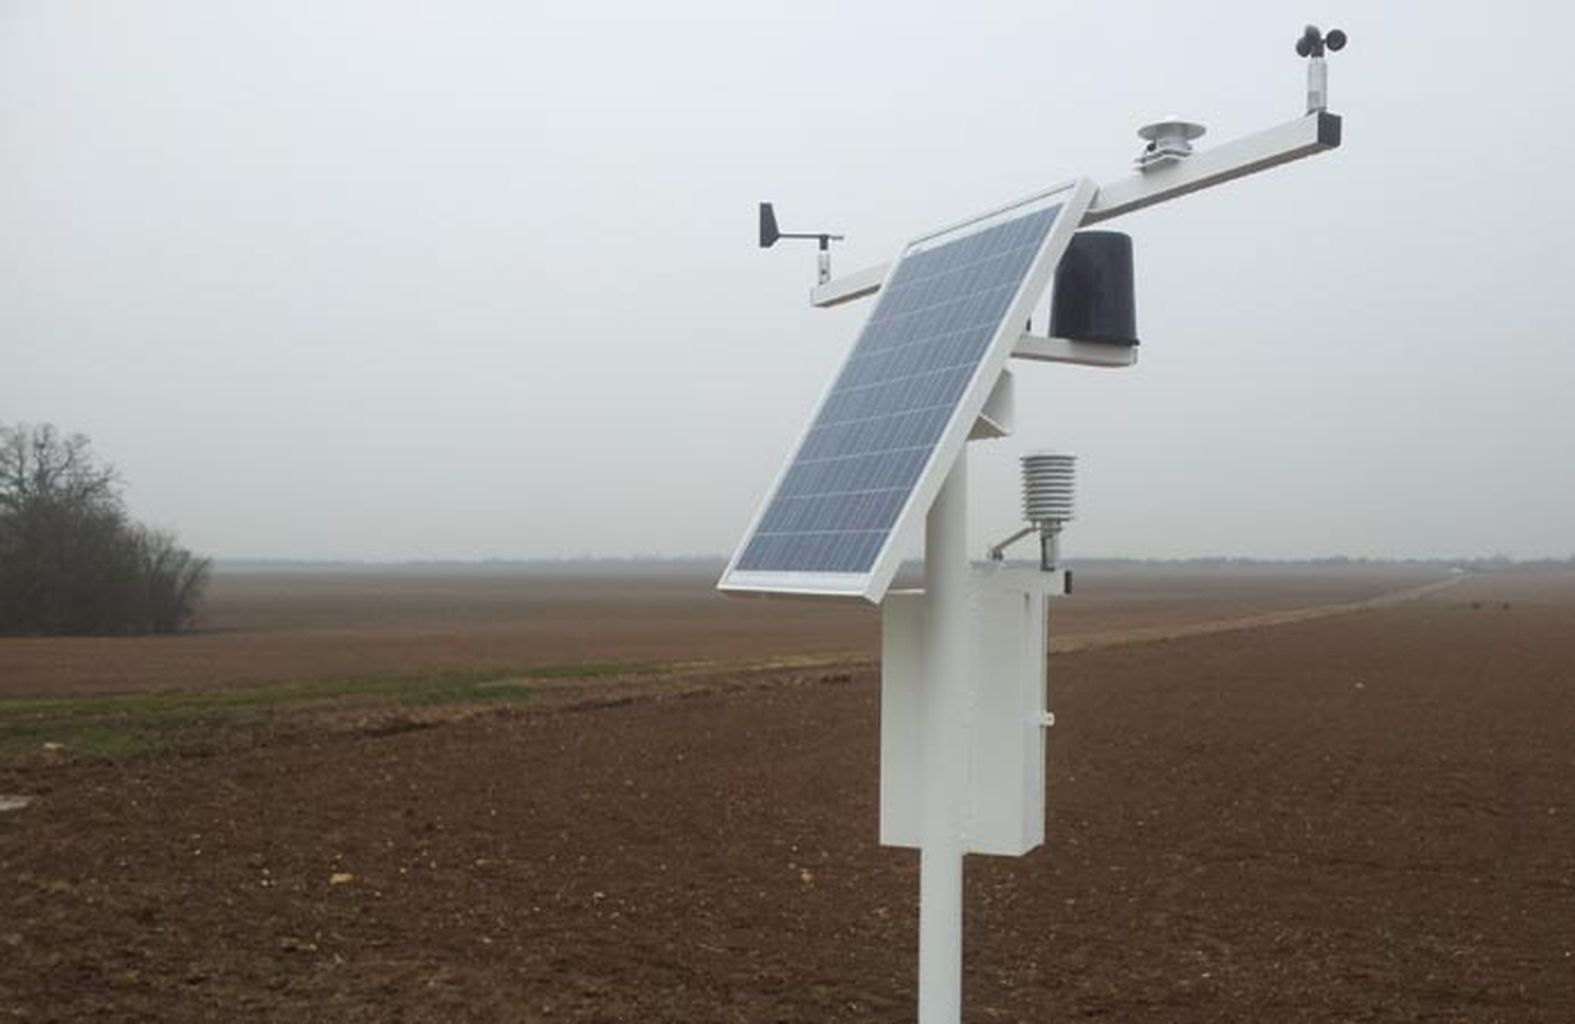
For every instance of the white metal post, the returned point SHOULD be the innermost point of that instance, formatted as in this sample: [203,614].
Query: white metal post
[1317,90]
[946,755]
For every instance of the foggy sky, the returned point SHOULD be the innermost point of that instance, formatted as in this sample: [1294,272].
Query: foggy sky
[465,279]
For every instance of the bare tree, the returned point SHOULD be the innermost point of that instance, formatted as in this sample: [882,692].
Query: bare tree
[37,464]
[175,580]
[71,559]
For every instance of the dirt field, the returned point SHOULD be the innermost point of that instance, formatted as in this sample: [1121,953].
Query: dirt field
[1363,817]
[271,625]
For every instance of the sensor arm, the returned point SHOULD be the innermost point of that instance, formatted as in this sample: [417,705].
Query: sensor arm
[1080,353]
[824,239]
[1306,136]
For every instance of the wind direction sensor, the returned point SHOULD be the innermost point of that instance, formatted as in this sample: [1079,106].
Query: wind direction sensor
[770,234]
[884,457]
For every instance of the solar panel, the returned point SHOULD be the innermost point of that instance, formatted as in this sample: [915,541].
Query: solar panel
[900,408]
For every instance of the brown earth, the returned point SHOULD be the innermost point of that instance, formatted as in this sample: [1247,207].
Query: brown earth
[275,624]
[1364,817]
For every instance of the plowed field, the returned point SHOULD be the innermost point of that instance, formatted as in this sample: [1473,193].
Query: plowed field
[306,624]
[1361,817]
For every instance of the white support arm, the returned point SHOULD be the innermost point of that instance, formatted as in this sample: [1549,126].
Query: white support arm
[849,287]
[1206,168]
[1083,353]
[1303,137]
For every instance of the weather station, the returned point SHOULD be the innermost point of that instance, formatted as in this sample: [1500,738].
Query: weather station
[964,704]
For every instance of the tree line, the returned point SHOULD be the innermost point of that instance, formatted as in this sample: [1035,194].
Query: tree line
[72,560]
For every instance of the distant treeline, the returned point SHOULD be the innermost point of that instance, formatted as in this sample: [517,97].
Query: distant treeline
[72,560]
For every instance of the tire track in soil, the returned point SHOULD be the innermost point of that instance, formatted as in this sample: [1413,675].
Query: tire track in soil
[1162,634]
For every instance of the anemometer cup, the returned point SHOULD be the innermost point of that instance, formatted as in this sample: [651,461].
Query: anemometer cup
[1313,42]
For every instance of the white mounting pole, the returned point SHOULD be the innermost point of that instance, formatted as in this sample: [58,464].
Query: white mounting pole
[1317,91]
[946,709]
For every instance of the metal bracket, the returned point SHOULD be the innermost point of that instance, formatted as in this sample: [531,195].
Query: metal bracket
[1082,353]
[1306,136]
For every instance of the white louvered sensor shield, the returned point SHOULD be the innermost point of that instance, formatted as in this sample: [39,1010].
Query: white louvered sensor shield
[1048,487]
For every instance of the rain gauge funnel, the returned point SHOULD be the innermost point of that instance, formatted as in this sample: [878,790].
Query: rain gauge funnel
[1094,290]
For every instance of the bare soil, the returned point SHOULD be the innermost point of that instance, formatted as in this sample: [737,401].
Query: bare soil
[1363,817]
[301,624]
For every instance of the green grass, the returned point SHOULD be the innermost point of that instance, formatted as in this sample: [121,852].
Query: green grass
[127,725]
[113,740]
[421,688]
[133,724]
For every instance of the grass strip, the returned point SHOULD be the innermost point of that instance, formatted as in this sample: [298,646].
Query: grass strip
[122,725]
[424,687]
[421,687]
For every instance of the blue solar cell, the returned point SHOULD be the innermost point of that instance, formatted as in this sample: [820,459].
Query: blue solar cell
[851,477]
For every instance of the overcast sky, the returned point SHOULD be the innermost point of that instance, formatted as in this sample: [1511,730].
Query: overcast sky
[461,279]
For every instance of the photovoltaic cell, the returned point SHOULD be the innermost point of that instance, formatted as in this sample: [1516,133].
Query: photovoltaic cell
[840,499]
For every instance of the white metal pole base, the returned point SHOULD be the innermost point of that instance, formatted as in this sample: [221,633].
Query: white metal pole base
[945,729]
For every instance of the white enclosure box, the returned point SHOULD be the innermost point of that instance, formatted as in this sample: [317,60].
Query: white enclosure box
[1008,607]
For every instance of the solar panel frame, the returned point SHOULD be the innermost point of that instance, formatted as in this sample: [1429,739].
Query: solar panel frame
[1072,198]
